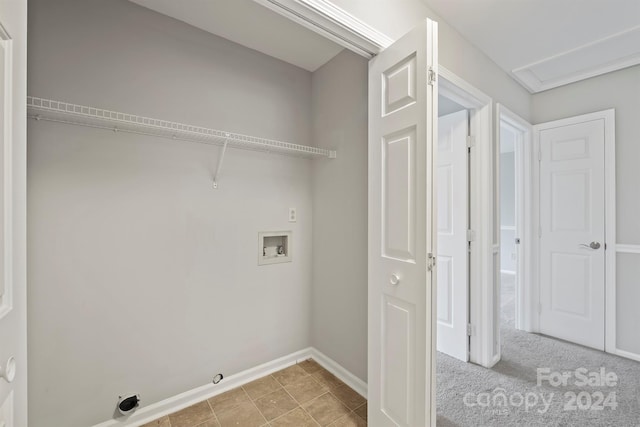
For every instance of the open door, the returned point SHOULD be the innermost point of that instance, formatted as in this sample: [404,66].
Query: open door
[453,246]
[13,331]
[402,126]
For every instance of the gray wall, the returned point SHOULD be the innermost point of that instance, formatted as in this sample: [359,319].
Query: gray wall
[619,90]
[339,303]
[142,277]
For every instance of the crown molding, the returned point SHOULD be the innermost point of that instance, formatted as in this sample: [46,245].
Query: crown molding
[611,53]
[332,22]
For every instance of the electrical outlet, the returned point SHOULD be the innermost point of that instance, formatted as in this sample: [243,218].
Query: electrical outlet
[293,215]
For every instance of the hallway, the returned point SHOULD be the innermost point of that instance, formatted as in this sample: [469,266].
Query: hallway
[516,377]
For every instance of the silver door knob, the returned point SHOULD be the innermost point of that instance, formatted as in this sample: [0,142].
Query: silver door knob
[394,280]
[592,245]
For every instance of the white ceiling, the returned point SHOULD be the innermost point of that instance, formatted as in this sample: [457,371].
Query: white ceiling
[541,43]
[548,43]
[254,26]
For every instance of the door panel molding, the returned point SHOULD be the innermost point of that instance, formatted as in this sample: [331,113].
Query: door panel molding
[608,117]
[401,228]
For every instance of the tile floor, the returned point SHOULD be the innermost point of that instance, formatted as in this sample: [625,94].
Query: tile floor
[302,395]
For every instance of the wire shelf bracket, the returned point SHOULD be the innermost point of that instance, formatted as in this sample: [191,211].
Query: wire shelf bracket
[219,168]
[64,112]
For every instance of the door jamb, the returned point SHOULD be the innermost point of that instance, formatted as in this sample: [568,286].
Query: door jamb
[610,217]
[524,305]
[482,289]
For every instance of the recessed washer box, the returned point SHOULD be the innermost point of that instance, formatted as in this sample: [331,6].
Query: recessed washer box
[274,247]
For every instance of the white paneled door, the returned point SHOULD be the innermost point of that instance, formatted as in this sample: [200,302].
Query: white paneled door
[453,247]
[11,318]
[402,122]
[572,235]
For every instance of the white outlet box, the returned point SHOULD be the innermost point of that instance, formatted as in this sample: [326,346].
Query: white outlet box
[293,215]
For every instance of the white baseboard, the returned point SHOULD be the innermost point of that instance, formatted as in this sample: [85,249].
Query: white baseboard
[191,397]
[627,354]
[345,376]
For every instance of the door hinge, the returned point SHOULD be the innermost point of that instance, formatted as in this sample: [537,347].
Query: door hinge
[431,261]
[469,329]
[471,141]
[540,155]
[471,236]
[431,77]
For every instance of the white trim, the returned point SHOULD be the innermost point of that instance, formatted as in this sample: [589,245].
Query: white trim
[627,249]
[523,212]
[6,143]
[610,229]
[527,76]
[508,227]
[610,218]
[508,272]
[343,374]
[432,153]
[183,400]
[481,298]
[626,354]
[333,23]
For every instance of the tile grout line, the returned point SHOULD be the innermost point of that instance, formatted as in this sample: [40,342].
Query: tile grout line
[233,407]
[266,422]
[263,396]
[358,415]
[329,390]
[254,401]
[296,400]
[307,376]
[213,412]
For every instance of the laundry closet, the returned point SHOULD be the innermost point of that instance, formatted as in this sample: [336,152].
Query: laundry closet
[180,226]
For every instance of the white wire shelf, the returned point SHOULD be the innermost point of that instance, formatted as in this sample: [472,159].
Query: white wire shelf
[64,112]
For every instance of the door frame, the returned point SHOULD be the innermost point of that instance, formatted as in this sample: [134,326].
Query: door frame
[524,227]
[481,203]
[610,219]
[460,304]
[6,141]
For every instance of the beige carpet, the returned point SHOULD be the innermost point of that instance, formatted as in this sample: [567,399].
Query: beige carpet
[515,375]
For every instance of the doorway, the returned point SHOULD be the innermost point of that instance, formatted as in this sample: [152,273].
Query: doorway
[514,146]
[465,266]
[453,223]
[510,231]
